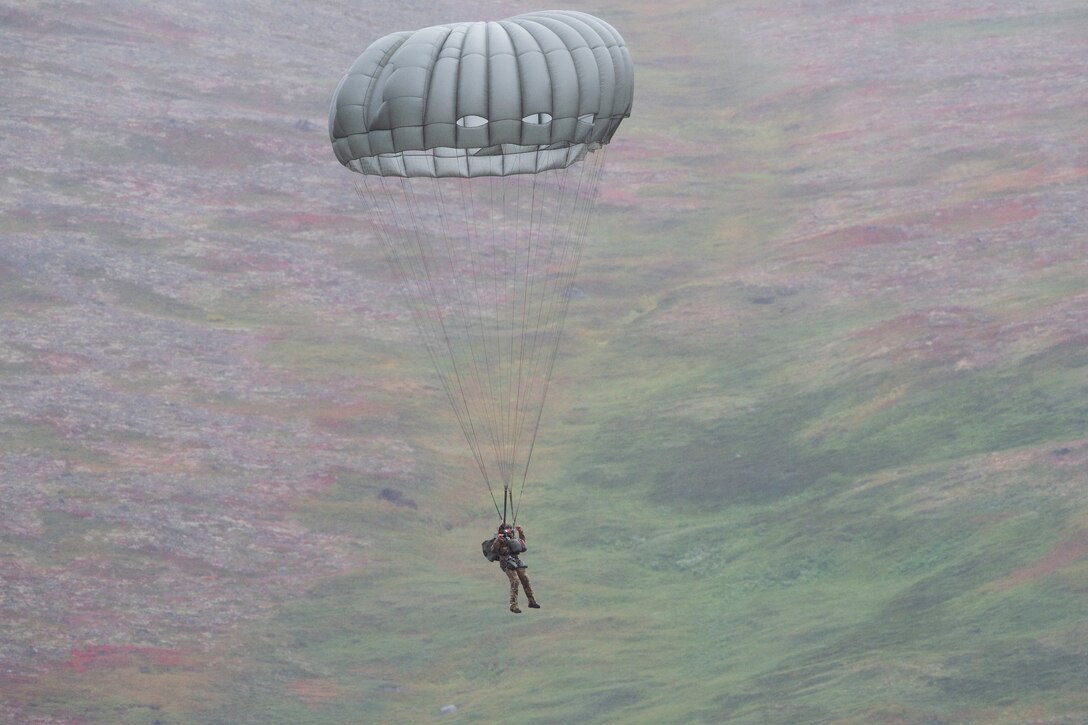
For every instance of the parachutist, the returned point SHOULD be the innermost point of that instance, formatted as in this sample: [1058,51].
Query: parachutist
[504,548]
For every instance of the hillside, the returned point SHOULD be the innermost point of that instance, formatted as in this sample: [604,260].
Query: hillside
[816,449]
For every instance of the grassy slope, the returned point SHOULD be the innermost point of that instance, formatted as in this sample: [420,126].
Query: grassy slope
[760,495]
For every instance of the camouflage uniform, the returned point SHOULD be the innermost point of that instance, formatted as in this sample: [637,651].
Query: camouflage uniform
[515,570]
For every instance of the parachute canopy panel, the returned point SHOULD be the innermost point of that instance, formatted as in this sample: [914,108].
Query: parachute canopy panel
[516,96]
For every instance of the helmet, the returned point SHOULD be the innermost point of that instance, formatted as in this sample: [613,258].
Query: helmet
[505,528]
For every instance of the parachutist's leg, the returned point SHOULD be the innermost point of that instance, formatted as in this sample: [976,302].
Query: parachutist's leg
[528,589]
[513,576]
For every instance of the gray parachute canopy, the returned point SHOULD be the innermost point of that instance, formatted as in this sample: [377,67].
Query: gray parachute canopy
[521,95]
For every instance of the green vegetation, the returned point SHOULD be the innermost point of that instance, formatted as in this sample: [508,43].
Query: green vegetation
[781,554]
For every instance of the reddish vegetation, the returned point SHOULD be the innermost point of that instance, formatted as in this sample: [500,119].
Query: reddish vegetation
[839,135]
[343,417]
[1065,554]
[1073,455]
[107,656]
[324,480]
[862,235]
[304,220]
[909,324]
[984,214]
[60,363]
[315,691]
[244,263]
[915,18]
[618,197]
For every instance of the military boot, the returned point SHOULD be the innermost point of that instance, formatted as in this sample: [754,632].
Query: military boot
[514,608]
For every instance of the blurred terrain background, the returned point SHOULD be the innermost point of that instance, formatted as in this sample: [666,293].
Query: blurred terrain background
[816,449]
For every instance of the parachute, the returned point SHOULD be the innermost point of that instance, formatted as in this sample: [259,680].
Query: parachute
[479,148]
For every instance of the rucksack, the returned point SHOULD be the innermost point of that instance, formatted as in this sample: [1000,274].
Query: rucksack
[486,546]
